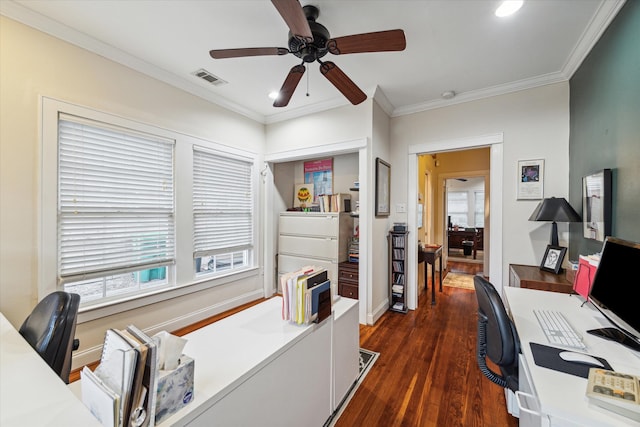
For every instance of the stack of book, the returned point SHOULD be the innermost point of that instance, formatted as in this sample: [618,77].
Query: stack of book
[121,390]
[340,202]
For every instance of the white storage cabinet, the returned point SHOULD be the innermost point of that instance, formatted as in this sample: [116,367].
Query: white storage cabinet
[313,238]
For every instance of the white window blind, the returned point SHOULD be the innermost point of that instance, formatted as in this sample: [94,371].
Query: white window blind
[222,203]
[115,200]
[458,207]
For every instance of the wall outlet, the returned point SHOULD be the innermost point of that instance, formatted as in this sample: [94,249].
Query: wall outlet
[401,208]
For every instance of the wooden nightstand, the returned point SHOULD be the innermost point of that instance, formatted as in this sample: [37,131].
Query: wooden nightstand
[530,276]
[348,279]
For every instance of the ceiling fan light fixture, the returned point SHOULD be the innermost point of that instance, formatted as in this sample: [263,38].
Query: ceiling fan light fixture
[508,7]
[310,41]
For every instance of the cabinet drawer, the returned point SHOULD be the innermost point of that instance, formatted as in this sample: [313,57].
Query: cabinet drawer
[325,248]
[348,291]
[316,225]
[347,275]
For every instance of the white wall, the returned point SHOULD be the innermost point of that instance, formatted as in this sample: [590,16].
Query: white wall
[379,249]
[323,133]
[535,124]
[32,65]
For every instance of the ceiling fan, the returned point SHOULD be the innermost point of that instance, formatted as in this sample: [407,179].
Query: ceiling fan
[310,41]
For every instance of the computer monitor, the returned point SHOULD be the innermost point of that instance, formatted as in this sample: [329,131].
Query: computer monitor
[614,291]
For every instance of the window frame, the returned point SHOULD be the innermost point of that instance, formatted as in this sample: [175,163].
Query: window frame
[181,277]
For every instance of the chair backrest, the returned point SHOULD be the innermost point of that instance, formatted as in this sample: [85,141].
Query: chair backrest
[50,330]
[497,336]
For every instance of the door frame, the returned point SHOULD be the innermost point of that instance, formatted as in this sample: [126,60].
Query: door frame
[494,249]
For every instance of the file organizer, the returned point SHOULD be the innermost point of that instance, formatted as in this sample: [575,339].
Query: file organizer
[121,392]
[306,295]
[587,267]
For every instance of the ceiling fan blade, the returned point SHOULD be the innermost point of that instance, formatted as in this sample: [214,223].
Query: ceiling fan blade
[250,51]
[379,41]
[289,86]
[293,15]
[342,82]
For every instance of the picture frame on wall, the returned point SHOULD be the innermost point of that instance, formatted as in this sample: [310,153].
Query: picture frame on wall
[552,259]
[383,186]
[596,205]
[530,179]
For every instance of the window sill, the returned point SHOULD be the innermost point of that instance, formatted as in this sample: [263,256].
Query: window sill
[131,302]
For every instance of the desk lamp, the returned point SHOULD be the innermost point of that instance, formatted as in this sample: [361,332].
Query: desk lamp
[555,209]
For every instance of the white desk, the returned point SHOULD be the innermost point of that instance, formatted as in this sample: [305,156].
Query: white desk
[559,398]
[253,368]
[31,394]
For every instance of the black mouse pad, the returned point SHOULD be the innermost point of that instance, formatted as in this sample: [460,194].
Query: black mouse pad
[549,357]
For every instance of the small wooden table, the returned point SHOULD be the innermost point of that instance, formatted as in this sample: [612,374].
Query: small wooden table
[530,276]
[429,254]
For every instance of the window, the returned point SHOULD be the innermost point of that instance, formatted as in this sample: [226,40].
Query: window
[115,209]
[479,208]
[222,212]
[458,208]
[118,222]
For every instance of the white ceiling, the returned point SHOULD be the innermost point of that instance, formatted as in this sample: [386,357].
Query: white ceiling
[457,45]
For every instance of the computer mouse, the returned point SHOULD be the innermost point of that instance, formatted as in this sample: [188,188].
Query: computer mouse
[571,356]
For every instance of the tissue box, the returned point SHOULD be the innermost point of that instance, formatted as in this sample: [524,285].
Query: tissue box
[175,389]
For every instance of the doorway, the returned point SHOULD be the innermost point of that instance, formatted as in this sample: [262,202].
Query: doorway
[438,152]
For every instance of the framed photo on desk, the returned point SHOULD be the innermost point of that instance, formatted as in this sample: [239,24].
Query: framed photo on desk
[552,260]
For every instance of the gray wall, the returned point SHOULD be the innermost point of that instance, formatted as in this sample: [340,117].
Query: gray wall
[605,126]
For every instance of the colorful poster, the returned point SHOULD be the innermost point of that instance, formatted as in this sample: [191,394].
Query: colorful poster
[320,174]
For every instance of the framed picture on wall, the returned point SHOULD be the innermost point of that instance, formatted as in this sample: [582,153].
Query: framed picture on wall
[596,205]
[383,185]
[530,180]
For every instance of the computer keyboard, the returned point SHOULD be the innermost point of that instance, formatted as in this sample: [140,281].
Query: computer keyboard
[557,329]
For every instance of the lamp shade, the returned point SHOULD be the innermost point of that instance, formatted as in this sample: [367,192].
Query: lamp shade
[555,209]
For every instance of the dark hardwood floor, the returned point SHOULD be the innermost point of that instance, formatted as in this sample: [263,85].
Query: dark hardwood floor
[427,374]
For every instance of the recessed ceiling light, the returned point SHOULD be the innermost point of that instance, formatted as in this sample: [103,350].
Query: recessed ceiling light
[274,94]
[508,7]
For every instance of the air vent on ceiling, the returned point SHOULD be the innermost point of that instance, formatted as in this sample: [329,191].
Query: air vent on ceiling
[205,75]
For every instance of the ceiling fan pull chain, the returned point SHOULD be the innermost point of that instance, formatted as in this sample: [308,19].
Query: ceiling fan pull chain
[308,83]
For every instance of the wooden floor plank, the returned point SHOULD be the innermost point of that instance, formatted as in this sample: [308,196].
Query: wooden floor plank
[427,374]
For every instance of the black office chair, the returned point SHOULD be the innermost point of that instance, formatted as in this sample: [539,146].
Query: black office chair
[50,329]
[497,336]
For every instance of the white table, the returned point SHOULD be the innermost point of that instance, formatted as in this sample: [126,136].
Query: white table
[31,394]
[253,368]
[557,398]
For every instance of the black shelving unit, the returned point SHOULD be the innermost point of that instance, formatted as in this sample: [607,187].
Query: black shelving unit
[397,271]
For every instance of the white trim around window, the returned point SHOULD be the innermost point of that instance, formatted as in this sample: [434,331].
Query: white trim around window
[180,272]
